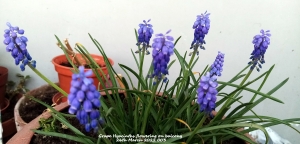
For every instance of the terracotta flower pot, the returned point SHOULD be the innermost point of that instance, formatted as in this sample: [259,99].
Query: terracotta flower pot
[44,90]
[5,124]
[65,73]
[3,81]
[25,134]
[9,128]
[58,98]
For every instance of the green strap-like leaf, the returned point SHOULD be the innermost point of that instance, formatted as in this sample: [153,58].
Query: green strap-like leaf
[252,90]
[136,75]
[207,129]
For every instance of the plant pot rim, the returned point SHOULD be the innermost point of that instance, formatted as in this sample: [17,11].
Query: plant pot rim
[20,123]
[6,105]
[3,69]
[64,67]
[56,99]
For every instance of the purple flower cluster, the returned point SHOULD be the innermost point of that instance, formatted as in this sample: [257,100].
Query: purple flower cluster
[16,45]
[201,26]
[163,48]
[144,35]
[261,43]
[217,66]
[207,93]
[84,100]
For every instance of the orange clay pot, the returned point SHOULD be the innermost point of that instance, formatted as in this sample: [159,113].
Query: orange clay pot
[57,98]
[65,73]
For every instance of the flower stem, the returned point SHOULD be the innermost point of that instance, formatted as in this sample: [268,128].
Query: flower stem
[141,64]
[47,80]
[188,110]
[241,84]
[196,129]
[148,109]
[186,72]
[246,77]
[192,58]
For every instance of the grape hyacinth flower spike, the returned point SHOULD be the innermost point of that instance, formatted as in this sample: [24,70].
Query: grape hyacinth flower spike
[163,48]
[201,26]
[207,92]
[144,35]
[217,66]
[261,43]
[84,100]
[17,46]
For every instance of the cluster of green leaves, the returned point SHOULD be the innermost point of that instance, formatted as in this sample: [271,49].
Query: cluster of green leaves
[167,108]
[13,89]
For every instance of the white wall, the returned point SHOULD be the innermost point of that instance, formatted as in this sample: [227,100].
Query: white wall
[233,25]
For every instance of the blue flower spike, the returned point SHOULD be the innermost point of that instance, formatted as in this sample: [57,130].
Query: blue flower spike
[201,26]
[145,33]
[17,46]
[163,48]
[261,43]
[217,66]
[207,93]
[207,90]
[84,99]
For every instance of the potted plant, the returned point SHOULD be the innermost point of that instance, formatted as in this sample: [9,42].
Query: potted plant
[185,110]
